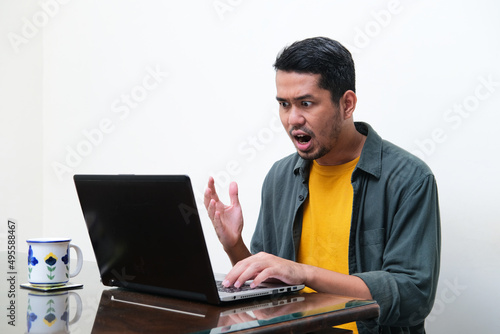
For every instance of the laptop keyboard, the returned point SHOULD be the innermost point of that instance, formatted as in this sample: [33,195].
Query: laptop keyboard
[232,289]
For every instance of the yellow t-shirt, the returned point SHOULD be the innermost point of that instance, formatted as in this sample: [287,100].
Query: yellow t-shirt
[326,222]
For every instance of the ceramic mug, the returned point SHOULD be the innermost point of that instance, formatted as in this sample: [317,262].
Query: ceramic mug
[49,261]
[49,312]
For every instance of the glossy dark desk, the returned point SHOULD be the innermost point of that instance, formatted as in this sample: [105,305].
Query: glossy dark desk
[98,309]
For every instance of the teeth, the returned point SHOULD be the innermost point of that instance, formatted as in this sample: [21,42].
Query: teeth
[302,138]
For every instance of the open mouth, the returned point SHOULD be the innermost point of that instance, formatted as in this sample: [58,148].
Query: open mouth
[302,139]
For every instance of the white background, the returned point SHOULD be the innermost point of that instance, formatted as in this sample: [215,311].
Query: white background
[428,79]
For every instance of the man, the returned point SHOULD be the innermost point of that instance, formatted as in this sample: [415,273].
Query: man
[349,213]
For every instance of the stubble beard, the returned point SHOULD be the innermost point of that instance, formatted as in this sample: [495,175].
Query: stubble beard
[324,149]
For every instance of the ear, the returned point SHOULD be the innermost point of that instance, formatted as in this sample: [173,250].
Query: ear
[348,103]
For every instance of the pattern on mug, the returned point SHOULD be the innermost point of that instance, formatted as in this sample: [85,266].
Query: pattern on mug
[30,316]
[65,260]
[51,260]
[32,261]
[50,317]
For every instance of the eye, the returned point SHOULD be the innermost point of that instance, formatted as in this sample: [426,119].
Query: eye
[306,103]
[284,104]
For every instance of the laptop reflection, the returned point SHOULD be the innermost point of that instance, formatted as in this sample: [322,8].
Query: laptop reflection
[128,311]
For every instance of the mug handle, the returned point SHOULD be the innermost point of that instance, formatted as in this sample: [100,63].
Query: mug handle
[78,307]
[79,263]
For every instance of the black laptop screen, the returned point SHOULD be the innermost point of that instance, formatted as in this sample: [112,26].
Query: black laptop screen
[145,230]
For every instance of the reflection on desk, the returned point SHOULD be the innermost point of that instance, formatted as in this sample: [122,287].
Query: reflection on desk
[127,311]
[48,312]
[97,309]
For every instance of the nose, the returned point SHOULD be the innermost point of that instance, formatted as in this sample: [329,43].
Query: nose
[295,117]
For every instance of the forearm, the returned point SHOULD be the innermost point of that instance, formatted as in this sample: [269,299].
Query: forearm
[238,252]
[323,280]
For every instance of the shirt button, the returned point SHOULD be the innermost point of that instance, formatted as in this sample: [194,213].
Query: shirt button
[301,197]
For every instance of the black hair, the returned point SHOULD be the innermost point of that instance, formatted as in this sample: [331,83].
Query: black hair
[324,56]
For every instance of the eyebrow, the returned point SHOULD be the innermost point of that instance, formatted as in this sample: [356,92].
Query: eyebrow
[298,98]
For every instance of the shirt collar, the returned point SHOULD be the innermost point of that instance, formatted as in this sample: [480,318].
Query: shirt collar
[371,155]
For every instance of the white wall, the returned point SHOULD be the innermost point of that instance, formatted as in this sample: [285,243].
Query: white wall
[21,169]
[428,79]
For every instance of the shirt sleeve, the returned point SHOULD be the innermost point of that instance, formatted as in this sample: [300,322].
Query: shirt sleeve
[257,242]
[405,286]
[282,195]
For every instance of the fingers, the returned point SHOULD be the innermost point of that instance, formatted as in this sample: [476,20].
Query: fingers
[211,209]
[264,275]
[211,200]
[262,267]
[233,194]
[238,275]
[218,226]
[247,269]
[210,192]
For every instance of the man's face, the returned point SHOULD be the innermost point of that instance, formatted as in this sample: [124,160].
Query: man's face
[308,114]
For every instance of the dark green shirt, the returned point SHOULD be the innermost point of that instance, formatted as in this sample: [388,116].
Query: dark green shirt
[394,244]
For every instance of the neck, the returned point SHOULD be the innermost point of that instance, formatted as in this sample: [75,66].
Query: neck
[347,148]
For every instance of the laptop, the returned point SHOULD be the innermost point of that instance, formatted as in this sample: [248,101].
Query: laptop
[147,236]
